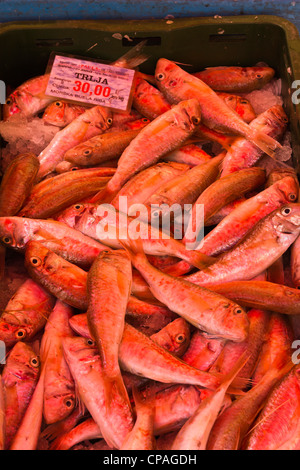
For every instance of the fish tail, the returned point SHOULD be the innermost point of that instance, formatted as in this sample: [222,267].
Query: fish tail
[200,260]
[134,248]
[232,374]
[235,384]
[142,404]
[133,58]
[266,143]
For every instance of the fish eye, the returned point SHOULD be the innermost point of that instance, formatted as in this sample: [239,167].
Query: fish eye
[259,76]
[35,362]
[8,101]
[285,119]
[237,311]
[87,152]
[78,206]
[180,338]
[90,342]
[196,120]
[286,210]
[109,121]
[160,76]
[35,261]
[292,197]
[74,168]
[20,334]
[58,104]
[145,120]
[244,102]
[7,240]
[68,402]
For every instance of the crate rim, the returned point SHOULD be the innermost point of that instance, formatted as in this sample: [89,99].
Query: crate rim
[170,23]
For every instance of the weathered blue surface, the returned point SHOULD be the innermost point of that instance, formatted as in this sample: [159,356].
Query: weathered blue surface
[18,10]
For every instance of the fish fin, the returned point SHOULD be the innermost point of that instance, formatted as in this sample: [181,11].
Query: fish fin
[148,78]
[265,143]
[133,57]
[134,248]
[200,260]
[78,401]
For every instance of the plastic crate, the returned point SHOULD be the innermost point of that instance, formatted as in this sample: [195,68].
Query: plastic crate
[202,42]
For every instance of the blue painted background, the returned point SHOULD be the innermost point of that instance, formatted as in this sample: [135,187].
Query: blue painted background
[17,10]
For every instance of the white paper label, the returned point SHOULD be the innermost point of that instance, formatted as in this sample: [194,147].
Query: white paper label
[90,82]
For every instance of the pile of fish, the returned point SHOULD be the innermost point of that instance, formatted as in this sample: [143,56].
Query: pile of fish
[175,342]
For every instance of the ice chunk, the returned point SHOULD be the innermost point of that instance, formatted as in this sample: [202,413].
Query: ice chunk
[24,135]
[285,153]
[268,96]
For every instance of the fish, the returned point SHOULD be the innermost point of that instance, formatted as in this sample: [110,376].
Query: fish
[232,425]
[162,135]
[190,154]
[141,437]
[177,85]
[251,346]
[142,185]
[244,217]
[152,103]
[93,121]
[195,432]
[105,224]
[276,347]
[59,394]
[108,291]
[86,430]
[203,350]
[16,232]
[282,406]
[233,79]
[140,355]
[185,188]
[25,314]
[84,361]
[148,100]
[102,148]
[60,113]
[59,199]
[54,430]
[173,406]
[19,379]
[174,337]
[261,294]
[27,435]
[28,99]
[17,182]
[265,243]
[239,104]
[221,192]
[64,280]
[243,153]
[199,306]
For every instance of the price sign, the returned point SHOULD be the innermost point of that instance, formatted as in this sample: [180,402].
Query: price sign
[94,83]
